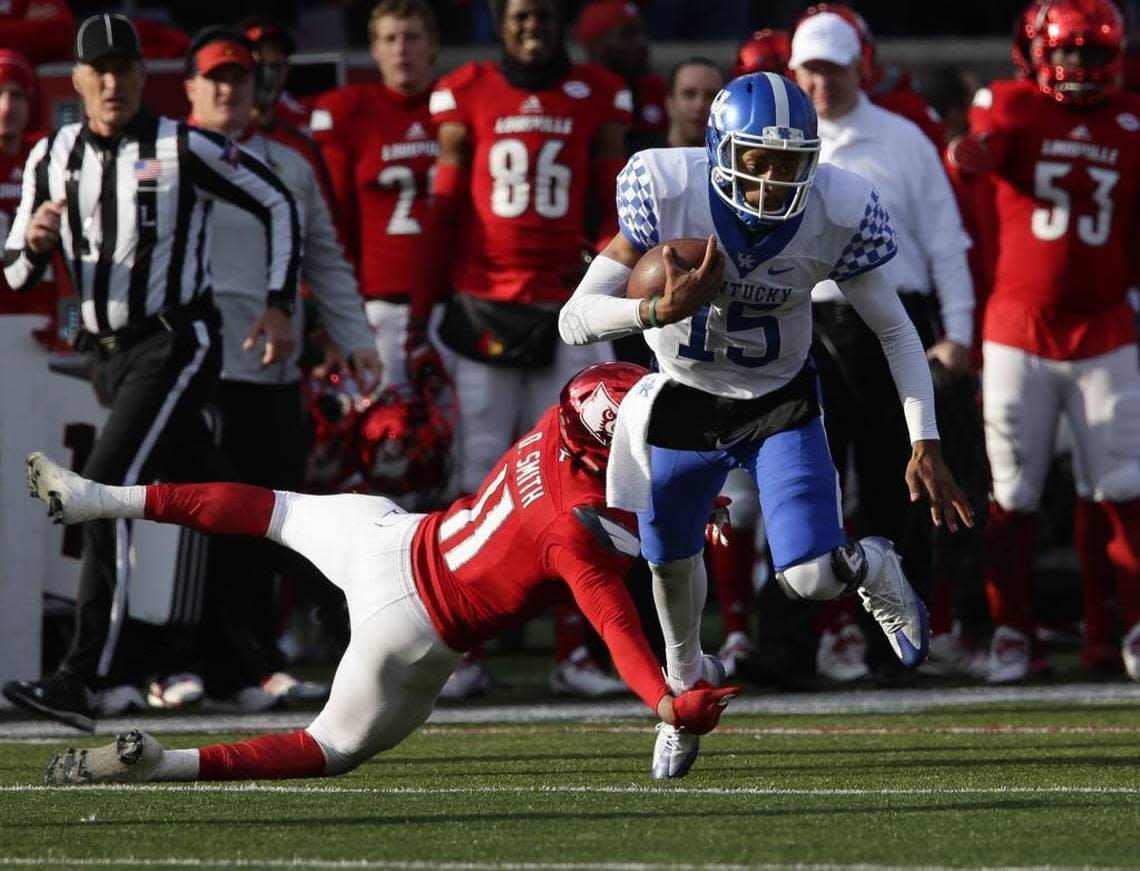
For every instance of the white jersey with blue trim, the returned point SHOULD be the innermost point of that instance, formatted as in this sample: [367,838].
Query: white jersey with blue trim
[755,335]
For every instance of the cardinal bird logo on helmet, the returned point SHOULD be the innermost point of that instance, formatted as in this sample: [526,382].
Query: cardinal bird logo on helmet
[599,414]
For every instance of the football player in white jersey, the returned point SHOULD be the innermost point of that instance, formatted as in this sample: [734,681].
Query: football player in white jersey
[736,387]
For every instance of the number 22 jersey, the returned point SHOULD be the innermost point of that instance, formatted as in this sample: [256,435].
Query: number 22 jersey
[1068,207]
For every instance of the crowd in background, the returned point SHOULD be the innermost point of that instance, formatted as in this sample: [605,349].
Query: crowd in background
[420,423]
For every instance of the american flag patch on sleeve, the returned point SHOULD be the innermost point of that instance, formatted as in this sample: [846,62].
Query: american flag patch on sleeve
[148,170]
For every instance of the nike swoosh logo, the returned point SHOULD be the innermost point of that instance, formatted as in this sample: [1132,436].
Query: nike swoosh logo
[773,271]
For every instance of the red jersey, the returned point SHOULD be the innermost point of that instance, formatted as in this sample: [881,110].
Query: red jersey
[537,525]
[894,90]
[649,102]
[42,30]
[42,298]
[380,147]
[530,176]
[1067,199]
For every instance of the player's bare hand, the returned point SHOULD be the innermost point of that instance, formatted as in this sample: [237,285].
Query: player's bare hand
[971,155]
[43,228]
[927,475]
[276,328]
[955,358]
[686,290]
[366,367]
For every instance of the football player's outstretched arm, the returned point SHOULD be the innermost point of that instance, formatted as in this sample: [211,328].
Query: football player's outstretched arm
[874,298]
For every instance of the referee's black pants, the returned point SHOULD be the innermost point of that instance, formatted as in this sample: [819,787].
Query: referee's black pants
[156,429]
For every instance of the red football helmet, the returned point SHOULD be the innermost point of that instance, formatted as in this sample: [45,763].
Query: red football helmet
[587,411]
[334,407]
[1096,27]
[403,442]
[1023,30]
[866,39]
[765,51]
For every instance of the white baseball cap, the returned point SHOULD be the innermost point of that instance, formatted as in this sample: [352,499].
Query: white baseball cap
[826,37]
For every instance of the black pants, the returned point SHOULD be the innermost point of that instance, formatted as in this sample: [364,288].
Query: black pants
[157,389]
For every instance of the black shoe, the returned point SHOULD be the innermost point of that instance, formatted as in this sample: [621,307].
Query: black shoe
[59,696]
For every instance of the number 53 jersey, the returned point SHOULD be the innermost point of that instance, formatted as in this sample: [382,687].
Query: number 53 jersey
[1068,204]
[530,176]
[755,335]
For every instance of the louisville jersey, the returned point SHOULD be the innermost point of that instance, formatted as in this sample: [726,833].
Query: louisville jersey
[530,176]
[42,298]
[755,335]
[537,525]
[380,147]
[1067,200]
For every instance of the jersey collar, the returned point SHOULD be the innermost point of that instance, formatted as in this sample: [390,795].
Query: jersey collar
[749,248]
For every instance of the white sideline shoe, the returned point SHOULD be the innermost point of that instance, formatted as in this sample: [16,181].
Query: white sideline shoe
[176,691]
[674,752]
[469,679]
[1009,656]
[841,656]
[284,686]
[1130,652]
[736,646]
[580,675]
[119,699]
[890,599]
[70,498]
[951,657]
[133,757]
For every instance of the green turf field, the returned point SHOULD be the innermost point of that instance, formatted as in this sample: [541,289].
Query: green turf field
[999,786]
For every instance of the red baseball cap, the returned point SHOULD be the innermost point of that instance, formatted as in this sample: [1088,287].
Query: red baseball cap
[14,67]
[600,17]
[221,52]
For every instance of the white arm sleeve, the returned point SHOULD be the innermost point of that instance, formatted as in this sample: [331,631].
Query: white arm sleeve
[598,310]
[879,306]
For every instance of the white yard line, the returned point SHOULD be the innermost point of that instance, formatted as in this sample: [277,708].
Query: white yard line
[396,865]
[633,789]
[845,702]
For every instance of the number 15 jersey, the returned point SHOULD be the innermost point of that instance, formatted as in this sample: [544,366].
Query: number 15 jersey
[1068,202]
[530,176]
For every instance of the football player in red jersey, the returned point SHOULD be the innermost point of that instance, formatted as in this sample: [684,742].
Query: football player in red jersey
[379,143]
[526,145]
[420,588]
[765,51]
[1058,334]
[19,99]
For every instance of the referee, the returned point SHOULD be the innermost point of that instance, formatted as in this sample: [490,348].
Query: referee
[127,196]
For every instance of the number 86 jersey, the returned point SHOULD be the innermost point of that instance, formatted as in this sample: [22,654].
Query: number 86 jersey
[530,175]
[1068,205]
[755,335]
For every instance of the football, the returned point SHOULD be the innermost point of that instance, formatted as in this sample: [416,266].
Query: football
[648,278]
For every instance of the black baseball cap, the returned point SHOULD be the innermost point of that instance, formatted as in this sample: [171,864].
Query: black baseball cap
[106,34]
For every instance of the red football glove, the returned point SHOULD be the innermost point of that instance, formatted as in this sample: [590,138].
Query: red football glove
[970,155]
[425,368]
[698,711]
[719,522]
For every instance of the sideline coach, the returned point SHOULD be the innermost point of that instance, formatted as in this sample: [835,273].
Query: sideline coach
[127,195]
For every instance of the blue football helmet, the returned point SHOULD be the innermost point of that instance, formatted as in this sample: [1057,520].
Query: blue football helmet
[762,110]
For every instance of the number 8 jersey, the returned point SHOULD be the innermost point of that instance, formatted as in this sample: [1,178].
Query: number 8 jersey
[1068,209]
[531,173]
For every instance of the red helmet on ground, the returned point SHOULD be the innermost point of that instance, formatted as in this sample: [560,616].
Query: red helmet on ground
[765,51]
[848,14]
[403,442]
[334,402]
[1096,27]
[587,411]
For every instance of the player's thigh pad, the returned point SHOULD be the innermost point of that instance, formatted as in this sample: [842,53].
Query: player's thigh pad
[1104,414]
[683,486]
[799,494]
[360,543]
[489,400]
[385,685]
[1021,400]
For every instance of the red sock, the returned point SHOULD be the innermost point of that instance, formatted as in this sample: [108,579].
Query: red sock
[1124,554]
[1009,567]
[270,757]
[222,509]
[1092,531]
[569,630]
[731,566]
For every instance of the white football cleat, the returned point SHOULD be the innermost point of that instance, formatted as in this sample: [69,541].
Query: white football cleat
[580,675]
[176,690]
[1009,656]
[890,599]
[133,757]
[736,646]
[841,656]
[70,498]
[950,656]
[674,752]
[469,679]
[1130,652]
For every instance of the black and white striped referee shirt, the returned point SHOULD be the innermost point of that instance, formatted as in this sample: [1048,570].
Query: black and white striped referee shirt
[135,229]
